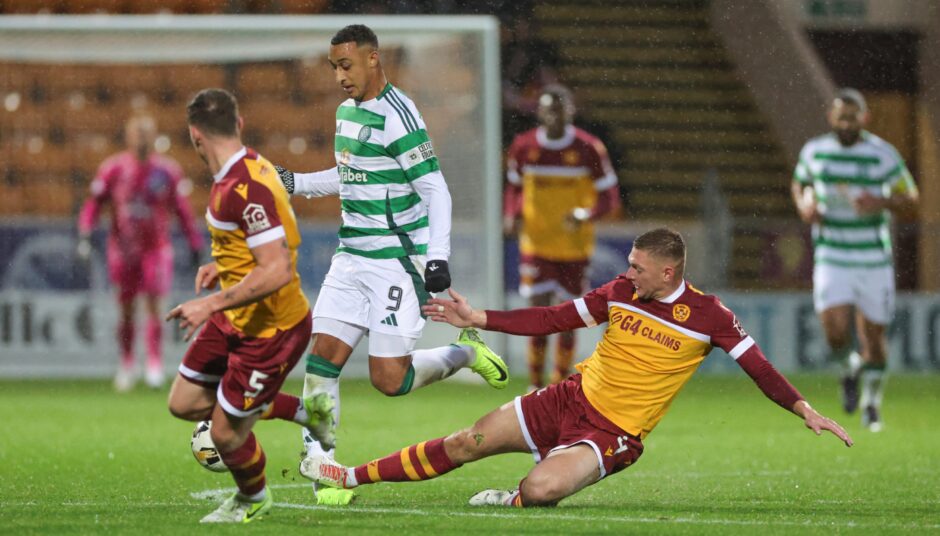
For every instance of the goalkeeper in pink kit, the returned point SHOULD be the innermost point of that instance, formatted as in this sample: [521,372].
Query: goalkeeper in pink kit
[143,190]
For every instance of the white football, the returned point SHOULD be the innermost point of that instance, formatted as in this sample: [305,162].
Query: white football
[204,449]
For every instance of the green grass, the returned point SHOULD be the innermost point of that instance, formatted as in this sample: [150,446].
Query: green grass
[75,458]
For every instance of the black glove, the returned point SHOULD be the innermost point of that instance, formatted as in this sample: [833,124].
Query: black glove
[195,259]
[287,177]
[436,276]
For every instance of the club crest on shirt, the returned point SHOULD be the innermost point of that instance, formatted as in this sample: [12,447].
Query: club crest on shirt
[364,134]
[571,158]
[681,312]
[533,155]
[255,218]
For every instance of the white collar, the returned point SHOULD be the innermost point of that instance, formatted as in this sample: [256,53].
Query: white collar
[541,136]
[675,295]
[228,165]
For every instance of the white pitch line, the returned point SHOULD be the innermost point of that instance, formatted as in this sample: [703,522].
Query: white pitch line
[222,492]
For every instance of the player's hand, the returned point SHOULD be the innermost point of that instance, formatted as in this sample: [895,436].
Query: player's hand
[866,203]
[191,315]
[436,276]
[456,311]
[207,277]
[817,423]
[287,177]
[807,208]
[83,250]
[510,226]
[578,216]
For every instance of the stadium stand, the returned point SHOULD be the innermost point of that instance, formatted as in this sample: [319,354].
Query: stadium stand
[660,78]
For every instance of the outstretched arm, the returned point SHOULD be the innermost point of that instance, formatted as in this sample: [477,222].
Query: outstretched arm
[529,321]
[778,389]
[272,271]
[316,184]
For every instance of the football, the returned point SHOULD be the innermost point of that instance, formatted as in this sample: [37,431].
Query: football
[204,450]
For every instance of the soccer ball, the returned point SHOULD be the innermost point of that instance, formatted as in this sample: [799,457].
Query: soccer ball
[204,450]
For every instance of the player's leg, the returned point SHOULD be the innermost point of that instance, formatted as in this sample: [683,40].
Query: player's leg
[874,313]
[536,283]
[127,373]
[189,401]
[193,393]
[574,445]
[833,299]
[562,474]
[396,369]
[538,346]
[124,276]
[395,291]
[333,342]
[157,274]
[339,319]
[243,455]
[495,433]
[572,280]
[256,371]
[154,376]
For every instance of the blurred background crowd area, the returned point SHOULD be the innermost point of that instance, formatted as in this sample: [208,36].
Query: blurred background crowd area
[703,104]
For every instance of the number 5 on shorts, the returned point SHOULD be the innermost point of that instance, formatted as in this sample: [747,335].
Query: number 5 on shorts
[255,381]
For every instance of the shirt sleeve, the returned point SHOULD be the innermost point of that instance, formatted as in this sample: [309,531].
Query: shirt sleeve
[588,311]
[802,173]
[318,183]
[100,193]
[602,171]
[412,149]
[256,214]
[513,159]
[900,179]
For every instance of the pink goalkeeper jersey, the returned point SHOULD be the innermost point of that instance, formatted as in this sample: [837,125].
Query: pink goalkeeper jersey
[142,195]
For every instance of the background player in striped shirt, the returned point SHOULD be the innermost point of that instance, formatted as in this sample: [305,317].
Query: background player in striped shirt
[559,181]
[258,325]
[143,190]
[396,212]
[659,329]
[847,184]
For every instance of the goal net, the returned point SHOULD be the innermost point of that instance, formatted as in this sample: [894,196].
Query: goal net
[68,83]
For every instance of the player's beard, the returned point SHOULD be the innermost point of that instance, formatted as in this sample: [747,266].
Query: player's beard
[848,138]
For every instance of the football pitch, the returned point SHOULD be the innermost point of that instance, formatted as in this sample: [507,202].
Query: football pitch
[79,459]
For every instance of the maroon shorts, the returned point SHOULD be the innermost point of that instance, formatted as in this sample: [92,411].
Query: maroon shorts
[559,416]
[248,371]
[538,275]
[151,273]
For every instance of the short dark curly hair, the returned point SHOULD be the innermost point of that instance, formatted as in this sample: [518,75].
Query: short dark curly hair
[358,33]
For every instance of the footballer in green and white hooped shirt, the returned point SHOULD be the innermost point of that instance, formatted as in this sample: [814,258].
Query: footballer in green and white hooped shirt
[847,184]
[394,245]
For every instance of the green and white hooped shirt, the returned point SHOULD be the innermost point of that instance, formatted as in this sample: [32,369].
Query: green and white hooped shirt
[840,174]
[395,202]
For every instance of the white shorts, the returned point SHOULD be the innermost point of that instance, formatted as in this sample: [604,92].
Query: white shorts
[375,297]
[870,290]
